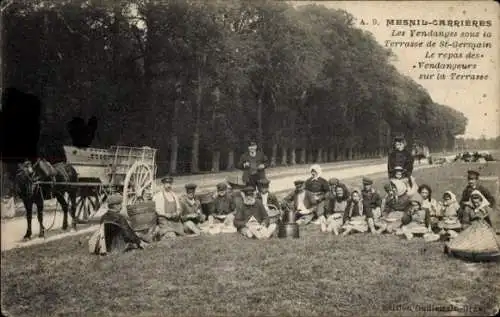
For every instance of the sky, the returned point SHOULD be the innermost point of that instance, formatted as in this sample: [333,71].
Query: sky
[479,100]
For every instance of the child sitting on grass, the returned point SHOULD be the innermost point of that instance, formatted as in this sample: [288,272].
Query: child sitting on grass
[358,215]
[449,221]
[416,219]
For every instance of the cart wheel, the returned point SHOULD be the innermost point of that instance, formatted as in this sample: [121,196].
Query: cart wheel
[139,180]
[86,207]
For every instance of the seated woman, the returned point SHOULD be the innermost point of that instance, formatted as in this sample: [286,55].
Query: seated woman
[416,219]
[251,218]
[394,208]
[221,217]
[399,173]
[449,221]
[358,216]
[303,202]
[478,240]
[191,215]
[430,204]
[335,206]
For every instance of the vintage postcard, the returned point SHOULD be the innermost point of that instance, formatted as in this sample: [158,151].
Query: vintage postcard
[250,158]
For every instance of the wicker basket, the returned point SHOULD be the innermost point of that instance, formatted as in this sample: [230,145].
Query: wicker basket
[142,215]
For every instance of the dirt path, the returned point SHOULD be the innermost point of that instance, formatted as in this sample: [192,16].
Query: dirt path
[13,229]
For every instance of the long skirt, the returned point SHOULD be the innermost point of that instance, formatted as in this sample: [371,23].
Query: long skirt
[332,222]
[357,224]
[478,242]
[392,221]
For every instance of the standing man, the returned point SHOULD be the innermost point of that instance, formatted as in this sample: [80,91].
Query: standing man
[253,164]
[400,156]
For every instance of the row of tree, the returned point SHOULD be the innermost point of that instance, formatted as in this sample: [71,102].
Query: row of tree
[197,79]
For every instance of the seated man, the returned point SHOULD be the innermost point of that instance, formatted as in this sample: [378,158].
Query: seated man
[221,217]
[168,210]
[371,197]
[114,231]
[268,199]
[191,215]
[251,218]
[303,202]
[473,184]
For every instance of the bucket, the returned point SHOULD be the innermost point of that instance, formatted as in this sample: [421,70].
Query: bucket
[288,230]
[142,215]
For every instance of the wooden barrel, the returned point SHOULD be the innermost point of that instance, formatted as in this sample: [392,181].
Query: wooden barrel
[142,215]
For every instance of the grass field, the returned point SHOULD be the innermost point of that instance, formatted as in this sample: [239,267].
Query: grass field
[227,275]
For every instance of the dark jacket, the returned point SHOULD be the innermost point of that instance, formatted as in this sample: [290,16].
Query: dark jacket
[260,158]
[372,197]
[353,210]
[291,199]
[317,186]
[408,217]
[245,212]
[224,205]
[486,193]
[400,158]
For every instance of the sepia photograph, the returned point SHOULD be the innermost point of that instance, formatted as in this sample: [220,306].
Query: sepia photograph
[249,158]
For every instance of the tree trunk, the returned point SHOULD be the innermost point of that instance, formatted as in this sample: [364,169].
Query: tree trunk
[274,155]
[194,153]
[173,154]
[303,156]
[331,154]
[230,160]
[319,155]
[293,158]
[284,158]
[215,161]
[259,123]
[350,153]
[310,158]
[325,156]
[196,135]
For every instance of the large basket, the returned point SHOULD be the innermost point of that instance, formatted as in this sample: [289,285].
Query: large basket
[142,215]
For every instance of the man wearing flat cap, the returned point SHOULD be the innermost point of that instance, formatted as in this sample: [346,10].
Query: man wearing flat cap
[473,184]
[268,199]
[191,214]
[253,164]
[371,197]
[400,156]
[168,209]
[221,219]
[251,218]
[303,202]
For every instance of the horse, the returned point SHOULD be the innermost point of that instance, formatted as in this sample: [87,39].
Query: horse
[31,192]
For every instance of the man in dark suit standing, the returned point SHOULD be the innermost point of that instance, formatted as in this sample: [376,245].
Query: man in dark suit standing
[253,164]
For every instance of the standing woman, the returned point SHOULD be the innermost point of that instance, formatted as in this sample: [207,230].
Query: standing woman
[253,164]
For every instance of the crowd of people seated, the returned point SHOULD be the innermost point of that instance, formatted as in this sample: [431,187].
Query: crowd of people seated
[251,209]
